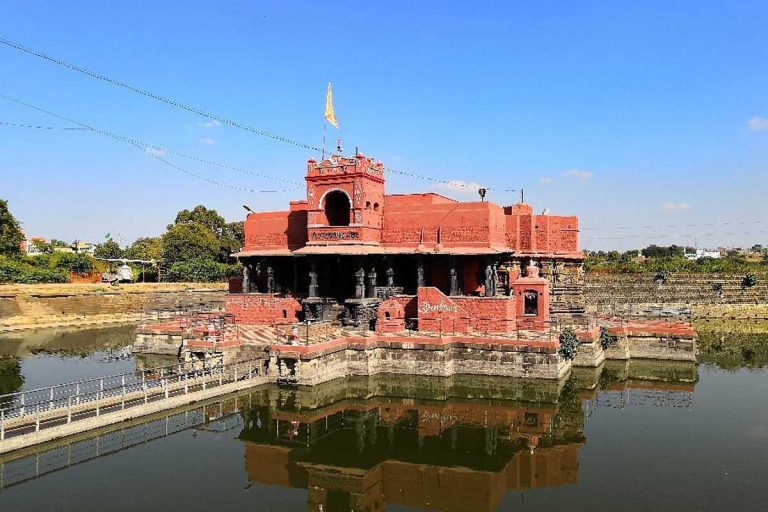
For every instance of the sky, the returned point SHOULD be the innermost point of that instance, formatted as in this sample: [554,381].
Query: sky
[648,120]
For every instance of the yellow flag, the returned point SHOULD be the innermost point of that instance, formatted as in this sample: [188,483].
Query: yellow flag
[330,115]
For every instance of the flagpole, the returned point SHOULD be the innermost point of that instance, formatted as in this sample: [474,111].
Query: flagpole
[324,129]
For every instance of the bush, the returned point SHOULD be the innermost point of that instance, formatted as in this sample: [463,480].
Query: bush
[71,262]
[201,270]
[568,344]
[16,271]
[749,281]
[606,338]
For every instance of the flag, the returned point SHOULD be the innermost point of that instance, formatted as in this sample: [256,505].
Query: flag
[107,236]
[330,115]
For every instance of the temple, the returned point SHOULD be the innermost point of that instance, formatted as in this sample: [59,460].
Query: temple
[349,245]
[354,282]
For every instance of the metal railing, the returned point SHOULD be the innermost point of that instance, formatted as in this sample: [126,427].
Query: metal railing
[214,417]
[34,410]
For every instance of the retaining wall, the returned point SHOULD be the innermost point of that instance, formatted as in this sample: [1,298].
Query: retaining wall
[603,291]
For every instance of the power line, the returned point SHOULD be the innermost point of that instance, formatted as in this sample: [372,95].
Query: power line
[160,149]
[677,235]
[154,96]
[678,226]
[156,152]
[200,112]
[16,125]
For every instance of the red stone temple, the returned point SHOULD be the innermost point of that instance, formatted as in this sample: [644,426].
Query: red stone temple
[352,281]
[349,245]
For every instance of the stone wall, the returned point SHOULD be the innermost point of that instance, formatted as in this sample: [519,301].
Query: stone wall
[606,291]
[262,308]
[24,306]
[311,365]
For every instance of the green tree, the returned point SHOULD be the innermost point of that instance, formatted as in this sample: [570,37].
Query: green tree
[109,250]
[146,249]
[202,215]
[10,231]
[73,262]
[232,239]
[188,241]
[58,243]
[229,235]
[43,247]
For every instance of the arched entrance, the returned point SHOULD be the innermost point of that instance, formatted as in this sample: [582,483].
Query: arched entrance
[337,208]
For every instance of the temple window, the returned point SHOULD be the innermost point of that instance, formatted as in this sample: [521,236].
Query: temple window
[367,205]
[375,207]
[337,208]
[531,303]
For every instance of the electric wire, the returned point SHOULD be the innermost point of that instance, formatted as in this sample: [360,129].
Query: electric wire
[154,96]
[204,113]
[17,125]
[156,152]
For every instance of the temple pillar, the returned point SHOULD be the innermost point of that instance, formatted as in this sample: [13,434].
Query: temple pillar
[295,277]
[255,271]
[360,281]
[489,280]
[454,275]
[390,275]
[312,292]
[371,291]
[419,271]
[246,278]
[270,279]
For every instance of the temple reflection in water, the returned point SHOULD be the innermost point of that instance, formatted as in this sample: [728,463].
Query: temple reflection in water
[455,444]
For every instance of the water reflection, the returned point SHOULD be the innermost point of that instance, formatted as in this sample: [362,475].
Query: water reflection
[435,444]
[368,444]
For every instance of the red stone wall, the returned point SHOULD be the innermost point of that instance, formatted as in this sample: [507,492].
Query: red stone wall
[262,309]
[276,230]
[489,314]
[439,313]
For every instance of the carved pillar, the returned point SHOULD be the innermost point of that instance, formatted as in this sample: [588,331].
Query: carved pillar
[390,275]
[419,271]
[495,277]
[270,279]
[246,279]
[295,280]
[489,291]
[360,281]
[312,292]
[371,282]
[255,271]
[454,274]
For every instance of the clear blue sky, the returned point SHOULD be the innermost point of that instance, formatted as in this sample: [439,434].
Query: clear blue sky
[627,114]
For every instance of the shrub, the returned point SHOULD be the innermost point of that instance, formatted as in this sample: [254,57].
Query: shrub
[15,271]
[568,344]
[606,338]
[201,270]
[749,281]
[72,262]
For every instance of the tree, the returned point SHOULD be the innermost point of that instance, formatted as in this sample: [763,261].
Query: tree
[73,262]
[11,235]
[108,250]
[58,243]
[42,247]
[185,242]
[146,249]
[229,235]
[202,215]
[232,239]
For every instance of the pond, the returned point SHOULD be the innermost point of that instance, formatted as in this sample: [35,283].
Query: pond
[638,435]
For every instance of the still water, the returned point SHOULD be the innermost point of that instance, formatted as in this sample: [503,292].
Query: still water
[629,436]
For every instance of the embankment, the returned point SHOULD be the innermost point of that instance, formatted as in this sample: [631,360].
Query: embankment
[76,305]
[704,294]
